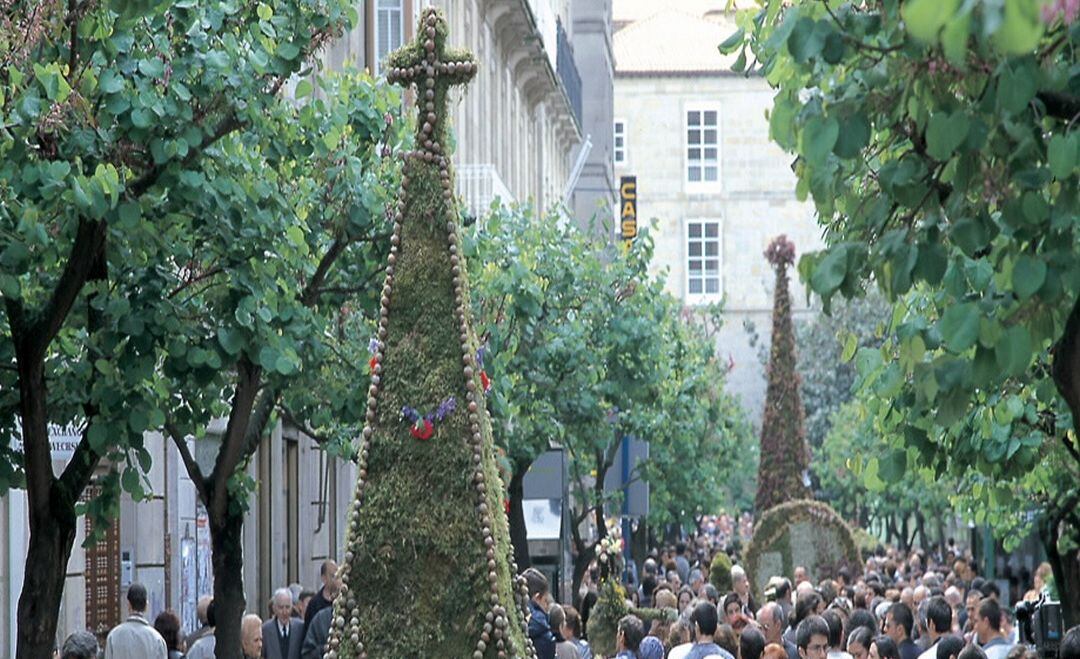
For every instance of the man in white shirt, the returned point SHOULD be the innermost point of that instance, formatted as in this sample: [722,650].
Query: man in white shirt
[988,629]
[283,635]
[135,638]
[938,623]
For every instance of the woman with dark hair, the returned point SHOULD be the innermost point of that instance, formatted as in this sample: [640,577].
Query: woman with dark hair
[732,608]
[168,625]
[686,596]
[883,647]
[858,642]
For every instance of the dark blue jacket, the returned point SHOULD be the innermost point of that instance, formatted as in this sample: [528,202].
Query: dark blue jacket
[540,632]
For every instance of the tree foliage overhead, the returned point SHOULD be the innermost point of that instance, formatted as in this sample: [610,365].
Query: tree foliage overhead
[939,143]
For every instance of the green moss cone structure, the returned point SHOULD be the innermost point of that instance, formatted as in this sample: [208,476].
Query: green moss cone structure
[784,454]
[428,569]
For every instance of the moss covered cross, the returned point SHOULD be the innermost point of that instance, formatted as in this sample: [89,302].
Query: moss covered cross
[427,515]
[433,68]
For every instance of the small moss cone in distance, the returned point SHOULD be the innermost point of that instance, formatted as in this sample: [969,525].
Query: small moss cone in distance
[428,569]
[784,454]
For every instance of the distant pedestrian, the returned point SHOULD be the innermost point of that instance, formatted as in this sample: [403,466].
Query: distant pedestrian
[80,645]
[204,628]
[628,638]
[317,632]
[540,633]
[135,638]
[283,635]
[302,602]
[327,572]
[251,640]
[168,625]
[988,629]
[571,631]
[564,649]
[204,647]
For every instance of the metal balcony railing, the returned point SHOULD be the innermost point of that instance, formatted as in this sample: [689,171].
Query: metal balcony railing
[568,72]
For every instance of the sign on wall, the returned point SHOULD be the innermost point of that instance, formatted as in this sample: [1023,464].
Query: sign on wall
[628,206]
[63,440]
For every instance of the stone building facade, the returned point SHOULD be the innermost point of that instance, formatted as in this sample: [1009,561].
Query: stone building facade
[696,136]
[520,131]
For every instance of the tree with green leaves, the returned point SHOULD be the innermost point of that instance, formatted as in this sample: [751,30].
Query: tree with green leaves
[536,283]
[906,509]
[784,455]
[939,144]
[263,318]
[138,138]
[532,280]
[827,343]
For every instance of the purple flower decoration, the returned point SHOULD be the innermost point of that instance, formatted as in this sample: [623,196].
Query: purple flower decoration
[445,408]
[480,357]
[373,345]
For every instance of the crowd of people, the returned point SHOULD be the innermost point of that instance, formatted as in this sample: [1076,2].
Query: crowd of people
[898,607]
[296,626]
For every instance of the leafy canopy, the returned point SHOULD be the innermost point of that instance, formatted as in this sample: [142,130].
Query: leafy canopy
[939,144]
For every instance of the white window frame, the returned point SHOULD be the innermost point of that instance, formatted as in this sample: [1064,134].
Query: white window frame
[619,153]
[389,7]
[703,297]
[700,185]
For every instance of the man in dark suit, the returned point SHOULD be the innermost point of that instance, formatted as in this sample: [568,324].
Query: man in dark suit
[283,635]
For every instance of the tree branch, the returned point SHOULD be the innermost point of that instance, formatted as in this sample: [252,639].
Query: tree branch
[311,292]
[88,245]
[260,416]
[193,469]
[234,442]
[194,280]
[1060,105]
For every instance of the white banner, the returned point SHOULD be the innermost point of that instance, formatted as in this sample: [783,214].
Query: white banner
[62,440]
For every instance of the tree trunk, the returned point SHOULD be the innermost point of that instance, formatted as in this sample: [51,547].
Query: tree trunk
[227,538]
[920,528]
[51,539]
[518,537]
[1066,372]
[1066,569]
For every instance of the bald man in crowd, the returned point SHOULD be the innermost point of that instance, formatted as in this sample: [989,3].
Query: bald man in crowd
[322,598]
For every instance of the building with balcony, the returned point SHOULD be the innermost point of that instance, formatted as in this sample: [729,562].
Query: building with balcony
[696,135]
[519,124]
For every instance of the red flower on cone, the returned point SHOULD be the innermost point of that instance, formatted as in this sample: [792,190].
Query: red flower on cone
[423,429]
[485,381]
[372,363]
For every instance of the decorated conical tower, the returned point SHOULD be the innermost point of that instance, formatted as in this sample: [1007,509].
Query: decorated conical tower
[784,455]
[427,569]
